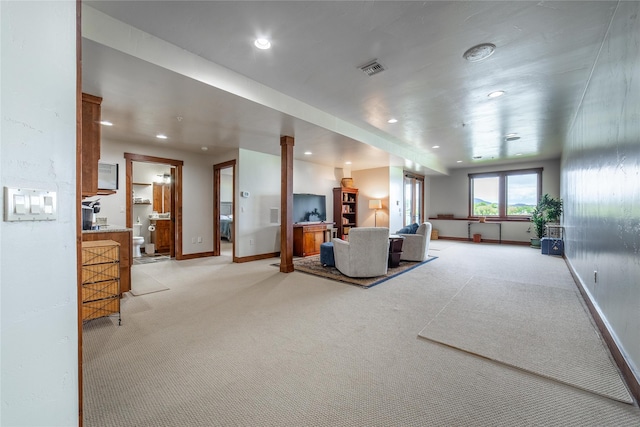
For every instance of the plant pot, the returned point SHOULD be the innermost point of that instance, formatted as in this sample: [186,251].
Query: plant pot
[477,238]
[535,243]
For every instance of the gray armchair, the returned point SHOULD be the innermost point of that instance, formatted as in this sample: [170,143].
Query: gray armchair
[415,247]
[366,254]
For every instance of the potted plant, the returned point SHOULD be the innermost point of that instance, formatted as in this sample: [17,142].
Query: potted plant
[548,209]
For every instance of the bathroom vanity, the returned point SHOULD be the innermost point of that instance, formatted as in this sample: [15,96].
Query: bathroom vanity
[124,237]
[161,237]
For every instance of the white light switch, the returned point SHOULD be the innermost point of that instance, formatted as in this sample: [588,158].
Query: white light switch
[20,204]
[25,204]
[34,202]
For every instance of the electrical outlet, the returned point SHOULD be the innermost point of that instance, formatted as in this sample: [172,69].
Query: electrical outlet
[199,239]
[250,242]
[193,240]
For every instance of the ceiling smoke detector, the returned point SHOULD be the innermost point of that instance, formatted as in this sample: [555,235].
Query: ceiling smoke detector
[479,52]
[371,68]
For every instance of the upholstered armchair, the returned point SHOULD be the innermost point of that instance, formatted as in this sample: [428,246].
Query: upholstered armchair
[366,254]
[416,246]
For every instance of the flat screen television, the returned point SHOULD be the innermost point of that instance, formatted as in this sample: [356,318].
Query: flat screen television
[309,208]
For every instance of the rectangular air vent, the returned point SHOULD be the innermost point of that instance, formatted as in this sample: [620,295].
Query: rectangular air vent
[373,67]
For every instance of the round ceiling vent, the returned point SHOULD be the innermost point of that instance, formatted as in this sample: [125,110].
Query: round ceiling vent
[479,52]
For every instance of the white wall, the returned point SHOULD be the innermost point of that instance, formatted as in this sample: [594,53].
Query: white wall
[38,316]
[372,184]
[197,190]
[396,198]
[258,174]
[450,195]
[226,186]
[600,185]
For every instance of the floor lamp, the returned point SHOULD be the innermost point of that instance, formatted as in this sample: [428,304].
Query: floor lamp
[375,204]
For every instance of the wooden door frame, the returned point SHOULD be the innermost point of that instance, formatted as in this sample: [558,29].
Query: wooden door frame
[216,206]
[176,196]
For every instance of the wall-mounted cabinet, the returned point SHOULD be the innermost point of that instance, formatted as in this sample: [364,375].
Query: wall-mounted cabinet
[345,210]
[90,144]
[161,197]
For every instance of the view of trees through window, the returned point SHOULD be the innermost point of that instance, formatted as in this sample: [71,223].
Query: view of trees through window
[513,193]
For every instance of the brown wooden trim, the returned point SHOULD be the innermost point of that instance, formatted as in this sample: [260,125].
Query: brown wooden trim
[633,383]
[286,204]
[216,204]
[196,255]
[176,196]
[256,257]
[488,219]
[152,159]
[79,200]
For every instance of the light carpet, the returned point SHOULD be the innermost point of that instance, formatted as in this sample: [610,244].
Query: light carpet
[142,283]
[312,265]
[540,329]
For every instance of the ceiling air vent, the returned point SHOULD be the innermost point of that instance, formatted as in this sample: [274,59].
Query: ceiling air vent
[373,67]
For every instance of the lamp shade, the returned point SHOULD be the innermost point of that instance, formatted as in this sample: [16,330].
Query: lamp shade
[375,204]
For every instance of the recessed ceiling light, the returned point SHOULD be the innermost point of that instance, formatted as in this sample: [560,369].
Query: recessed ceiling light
[161,136]
[496,94]
[392,121]
[479,52]
[518,154]
[308,153]
[204,148]
[262,44]
[511,137]
[106,123]
[436,146]
[347,163]
[459,161]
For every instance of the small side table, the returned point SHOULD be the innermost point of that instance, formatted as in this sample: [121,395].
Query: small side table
[395,250]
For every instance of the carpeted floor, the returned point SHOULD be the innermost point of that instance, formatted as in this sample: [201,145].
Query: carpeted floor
[312,265]
[246,345]
[143,283]
[540,329]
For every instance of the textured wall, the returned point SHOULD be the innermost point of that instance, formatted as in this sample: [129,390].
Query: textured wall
[601,183]
[38,313]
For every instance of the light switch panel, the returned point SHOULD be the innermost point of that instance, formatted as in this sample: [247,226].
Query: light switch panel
[26,204]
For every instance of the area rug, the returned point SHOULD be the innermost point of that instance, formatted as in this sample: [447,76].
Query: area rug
[311,265]
[543,330]
[142,283]
[148,259]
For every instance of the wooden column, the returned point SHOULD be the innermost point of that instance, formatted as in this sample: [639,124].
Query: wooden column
[286,204]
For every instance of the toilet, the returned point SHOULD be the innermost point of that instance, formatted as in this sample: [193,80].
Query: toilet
[138,240]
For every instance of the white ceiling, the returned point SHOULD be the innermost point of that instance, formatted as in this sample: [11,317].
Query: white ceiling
[214,89]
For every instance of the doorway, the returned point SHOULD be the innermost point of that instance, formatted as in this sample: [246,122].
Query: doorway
[156,200]
[224,203]
[413,198]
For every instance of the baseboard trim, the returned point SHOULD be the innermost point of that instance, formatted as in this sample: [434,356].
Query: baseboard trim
[627,373]
[256,257]
[196,255]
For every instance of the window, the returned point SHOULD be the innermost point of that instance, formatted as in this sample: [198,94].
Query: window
[504,194]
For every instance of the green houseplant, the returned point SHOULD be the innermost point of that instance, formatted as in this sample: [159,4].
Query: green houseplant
[548,209]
